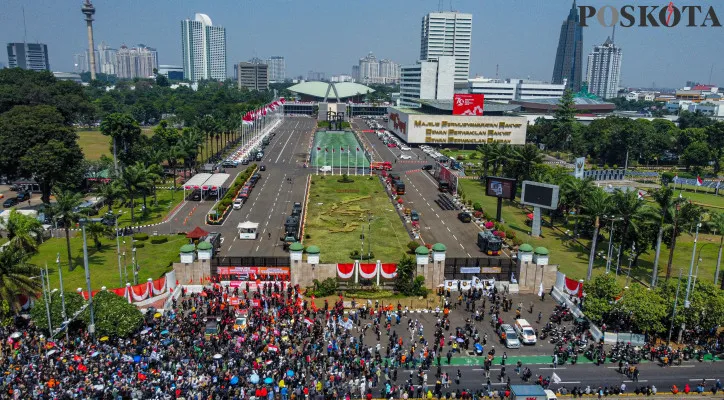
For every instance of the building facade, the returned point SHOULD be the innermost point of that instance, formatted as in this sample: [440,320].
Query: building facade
[604,70]
[371,70]
[252,76]
[448,34]
[136,62]
[567,68]
[514,89]
[107,59]
[429,80]
[277,68]
[173,72]
[203,47]
[33,56]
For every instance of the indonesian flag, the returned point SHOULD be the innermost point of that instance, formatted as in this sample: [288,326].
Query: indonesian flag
[308,321]
[282,100]
[273,348]
[641,195]
[319,149]
[341,148]
[358,149]
[699,181]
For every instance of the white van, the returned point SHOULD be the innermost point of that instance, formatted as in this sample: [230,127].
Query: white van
[325,168]
[237,204]
[550,395]
[525,331]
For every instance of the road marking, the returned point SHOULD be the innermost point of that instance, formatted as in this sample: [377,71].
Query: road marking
[469,256]
[698,380]
[568,383]
[682,366]
[257,248]
[448,229]
[443,222]
[455,237]
[552,368]
[438,217]
[461,246]
[285,145]
[230,247]
[646,380]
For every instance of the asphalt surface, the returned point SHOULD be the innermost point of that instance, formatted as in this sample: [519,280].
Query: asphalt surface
[436,225]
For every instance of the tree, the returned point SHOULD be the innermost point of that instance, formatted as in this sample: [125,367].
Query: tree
[134,180]
[526,159]
[208,127]
[715,139]
[188,147]
[406,281]
[124,132]
[716,223]
[17,276]
[162,80]
[635,213]
[564,126]
[696,155]
[51,163]
[646,308]
[696,119]
[666,201]
[24,232]
[39,316]
[96,230]
[110,191]
[64,212]
[575,192]
[600,293]
[684,215]
[114,316]
[595,205]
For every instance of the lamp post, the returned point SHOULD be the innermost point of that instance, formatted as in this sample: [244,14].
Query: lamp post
[133,263]
[46,297]
[610,241]
[688,283]
[92,326]
[118,248]
[62,296]
[698,260]
[630,263]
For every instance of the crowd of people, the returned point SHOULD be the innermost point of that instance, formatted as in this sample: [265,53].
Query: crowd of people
[285,348]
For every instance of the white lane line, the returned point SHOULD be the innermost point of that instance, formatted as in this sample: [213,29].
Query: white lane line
[646,380]
[285,145]
[568,383]
[694,380]
[438,216]
[461,246]
[443,222]
[455,237]
[552,368]
[257,248]
[230,247]
[682,366]
[448,229]
[469,256]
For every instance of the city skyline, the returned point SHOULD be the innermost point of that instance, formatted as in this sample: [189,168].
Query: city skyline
[656,55]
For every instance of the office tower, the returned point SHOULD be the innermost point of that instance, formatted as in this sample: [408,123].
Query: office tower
[277,68]
[88,10]
[252,76]
[107,57]
[604,69]
[32,56]
[569,55]
[203,48]
[389,72]
[448,34]
[429,80]
[355,72]
[81,62]
[369,68]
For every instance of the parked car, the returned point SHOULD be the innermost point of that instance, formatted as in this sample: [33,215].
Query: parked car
[405,148]
[414,216]
[405,157]
[10,202]
[229,164]
[262,167]
[238,203]
[508,336]
[427,167]
[465,217]
[23,196]
[245,161]
[325,168]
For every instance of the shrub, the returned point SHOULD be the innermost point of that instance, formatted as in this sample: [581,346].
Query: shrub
[510,234]
[412,245]
[140,236]
[478,214]
[139,245]
[477,206]
[474,155]
[460,157]
[159,240]
[324,288]
[345,179]
[307,236]
[517,241]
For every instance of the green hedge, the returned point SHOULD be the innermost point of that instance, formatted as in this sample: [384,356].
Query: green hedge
[139,245]
[159,240]
[140,236]
[223,205]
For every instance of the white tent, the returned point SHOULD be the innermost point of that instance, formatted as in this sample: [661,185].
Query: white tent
[248,230]
[215,182]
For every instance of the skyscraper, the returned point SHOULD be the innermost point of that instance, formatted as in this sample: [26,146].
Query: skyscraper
[570,52]
[277,68]
[204,49]
[32,56]
[81,62]
[107,57]
[253,76]
[137,62]
[604,69]
[448,34]
[369,68]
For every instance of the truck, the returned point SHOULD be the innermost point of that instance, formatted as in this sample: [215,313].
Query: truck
[291,231]
[489,243]
[398,187]
[297,209]
[443,186]
[530,392]
[381,165]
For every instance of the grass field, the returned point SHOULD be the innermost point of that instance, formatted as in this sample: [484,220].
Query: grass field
[94,144]
[156,213]
[337,212]
[330,144]
[153,259]
[573,258]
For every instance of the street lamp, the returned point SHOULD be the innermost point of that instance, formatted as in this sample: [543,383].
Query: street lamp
[133,263]
[118,247]
[62,296]
[691,271]
[92,326]
[630,263]
[698,260]
[610,241]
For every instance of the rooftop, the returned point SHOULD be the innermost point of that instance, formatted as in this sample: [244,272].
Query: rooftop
[334,90]
[488,106]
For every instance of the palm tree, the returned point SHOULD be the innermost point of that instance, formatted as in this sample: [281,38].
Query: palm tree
[134,180]
[208,126]
[717,225]
[97,230]
[17,276]
[188,146]
[65,211]
[634,213]
[173,154]
[154,174]
[595,206]
[24,232]
[526,159]
[110,193]
[664,197]
[576,191]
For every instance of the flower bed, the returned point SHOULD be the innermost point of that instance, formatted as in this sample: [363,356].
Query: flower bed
[224,206]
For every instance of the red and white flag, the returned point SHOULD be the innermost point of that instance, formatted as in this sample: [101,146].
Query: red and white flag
[641,195]
[699,181]
[273,348]
[308,321]
[319,149]
[358,149]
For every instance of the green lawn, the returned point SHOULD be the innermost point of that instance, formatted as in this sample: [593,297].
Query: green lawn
[337,212]
[156,213]
[153,259]
[454,153]
[332,142]
[705,199]
[94,144]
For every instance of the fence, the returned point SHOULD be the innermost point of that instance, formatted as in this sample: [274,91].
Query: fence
[499,268]
[250,262]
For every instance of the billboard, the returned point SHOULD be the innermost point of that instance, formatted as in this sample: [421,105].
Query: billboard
[468,104]
[541,195]
[580,164]
[500,187]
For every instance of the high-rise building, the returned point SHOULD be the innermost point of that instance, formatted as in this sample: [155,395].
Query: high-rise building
[604,70]
[81,62]
[355,72]
[505,90]
[277,68]
[372,70]
[448,34]
[568,68]
[389,72]
[428,80]
[108,60]
[137,62]
[32,56]
[253,76]
[315,76]
[369,68]
[204,49]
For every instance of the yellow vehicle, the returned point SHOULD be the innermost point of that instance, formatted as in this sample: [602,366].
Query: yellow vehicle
[240,321]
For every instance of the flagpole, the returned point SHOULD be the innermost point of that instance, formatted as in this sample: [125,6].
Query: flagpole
[325,160]
[356,167]
[340,161]
[348,150]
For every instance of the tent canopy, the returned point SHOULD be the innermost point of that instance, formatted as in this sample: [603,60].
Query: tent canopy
[215,181]
[197,233]
[196,181]
[247,225]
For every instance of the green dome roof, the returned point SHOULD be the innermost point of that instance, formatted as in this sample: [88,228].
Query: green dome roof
[204,246]
[541,251]
[438,247]
[188,248]
[296,246]
[525,247]
[422,250]
[313,250]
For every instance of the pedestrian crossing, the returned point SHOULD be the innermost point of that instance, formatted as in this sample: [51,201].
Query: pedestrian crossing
[411,162]
[412,171]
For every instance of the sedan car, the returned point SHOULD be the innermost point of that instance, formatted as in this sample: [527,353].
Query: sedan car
[262,167]
[465,217]
[10,202]
[245,161]
[508,336]
[405,157]
[229,164]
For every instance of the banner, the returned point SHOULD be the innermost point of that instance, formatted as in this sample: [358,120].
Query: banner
[580,164]
[273,270]
[223,271]
[368,271]
[345,271]
[389,271]
[468,104]
[254,285]
[573,287]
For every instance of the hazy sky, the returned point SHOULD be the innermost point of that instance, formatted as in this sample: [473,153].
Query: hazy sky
[330,36]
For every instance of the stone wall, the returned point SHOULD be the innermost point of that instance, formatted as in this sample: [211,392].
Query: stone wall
[530,276]
[193,273]
[303,274]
